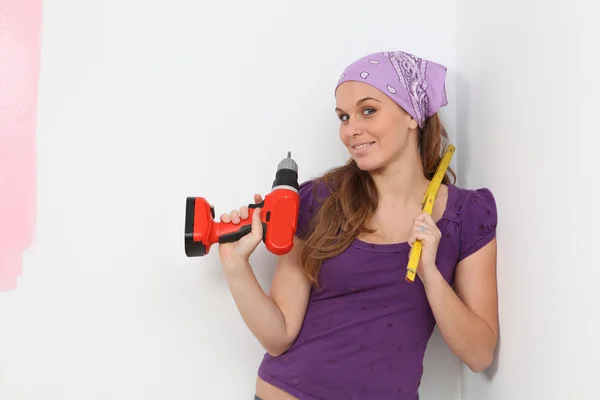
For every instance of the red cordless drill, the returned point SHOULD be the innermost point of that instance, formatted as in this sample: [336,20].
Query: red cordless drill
[279,217]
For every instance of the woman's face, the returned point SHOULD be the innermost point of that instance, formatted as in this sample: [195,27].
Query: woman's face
[374,129]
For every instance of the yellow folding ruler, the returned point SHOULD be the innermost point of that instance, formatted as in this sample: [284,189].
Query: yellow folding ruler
[428,201]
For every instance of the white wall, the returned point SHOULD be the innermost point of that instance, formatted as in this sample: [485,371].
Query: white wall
[142,104]
[528,102]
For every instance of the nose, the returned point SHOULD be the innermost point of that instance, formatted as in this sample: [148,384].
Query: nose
[354,127]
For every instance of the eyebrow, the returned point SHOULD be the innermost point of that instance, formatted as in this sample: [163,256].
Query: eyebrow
[361,101]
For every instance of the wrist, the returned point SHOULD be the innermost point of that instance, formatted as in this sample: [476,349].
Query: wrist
[431,276]
[235,263]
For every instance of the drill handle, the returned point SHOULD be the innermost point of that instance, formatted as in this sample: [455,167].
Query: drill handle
[244,228]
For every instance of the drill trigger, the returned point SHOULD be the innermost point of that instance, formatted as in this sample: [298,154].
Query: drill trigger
[257,205]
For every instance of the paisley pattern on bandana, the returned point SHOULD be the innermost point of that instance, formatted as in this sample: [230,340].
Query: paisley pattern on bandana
[417,85]
[411,74]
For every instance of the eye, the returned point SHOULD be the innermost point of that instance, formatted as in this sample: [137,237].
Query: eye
[343,117]
[368,111]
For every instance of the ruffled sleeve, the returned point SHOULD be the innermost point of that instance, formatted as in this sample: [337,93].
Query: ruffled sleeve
[479,217]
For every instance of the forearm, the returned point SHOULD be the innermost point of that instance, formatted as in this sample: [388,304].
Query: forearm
[260,313]
[469,337]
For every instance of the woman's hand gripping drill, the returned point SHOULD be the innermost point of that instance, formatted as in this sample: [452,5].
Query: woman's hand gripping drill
[235,253]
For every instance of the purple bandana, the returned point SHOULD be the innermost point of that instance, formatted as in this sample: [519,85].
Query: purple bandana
[415,84]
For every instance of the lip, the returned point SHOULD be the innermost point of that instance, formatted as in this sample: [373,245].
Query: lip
[355,145]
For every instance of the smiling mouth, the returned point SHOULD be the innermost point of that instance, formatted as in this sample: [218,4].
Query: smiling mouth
[362,146]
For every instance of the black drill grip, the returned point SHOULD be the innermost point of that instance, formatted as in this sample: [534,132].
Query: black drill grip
[245,229]
[240,233]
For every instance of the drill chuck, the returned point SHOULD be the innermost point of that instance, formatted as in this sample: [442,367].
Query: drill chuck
[287,174]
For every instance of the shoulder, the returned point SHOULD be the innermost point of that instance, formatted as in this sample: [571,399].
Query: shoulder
[313,193]
[480,200]
[477,214]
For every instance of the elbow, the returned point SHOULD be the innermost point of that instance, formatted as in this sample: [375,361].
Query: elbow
[482,358]
[278,344]
[277,350]
[481,362]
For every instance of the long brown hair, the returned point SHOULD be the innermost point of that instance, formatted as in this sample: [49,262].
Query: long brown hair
[352,200]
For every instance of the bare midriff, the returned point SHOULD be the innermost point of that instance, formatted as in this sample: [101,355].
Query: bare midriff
[266,391]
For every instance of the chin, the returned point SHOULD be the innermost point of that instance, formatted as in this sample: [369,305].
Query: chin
[367,165]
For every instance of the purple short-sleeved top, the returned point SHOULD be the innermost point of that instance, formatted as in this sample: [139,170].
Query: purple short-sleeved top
[366,329]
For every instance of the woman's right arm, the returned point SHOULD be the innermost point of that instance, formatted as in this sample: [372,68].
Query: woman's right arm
[275,319]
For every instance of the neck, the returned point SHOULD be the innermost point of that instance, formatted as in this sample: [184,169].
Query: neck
[402,182]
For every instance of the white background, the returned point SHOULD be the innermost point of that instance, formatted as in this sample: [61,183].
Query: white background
[528,98]
[143,103]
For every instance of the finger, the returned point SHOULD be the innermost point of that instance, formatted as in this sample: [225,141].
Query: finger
[417,234]
[433,224]
[415,239]
[244,212]
[421,227]
[257,223]
[235,216]
[225,218]
[425,218]
[257,198]
[425,225]
[426,238]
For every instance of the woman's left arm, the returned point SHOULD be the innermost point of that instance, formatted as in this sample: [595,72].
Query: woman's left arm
[467,316]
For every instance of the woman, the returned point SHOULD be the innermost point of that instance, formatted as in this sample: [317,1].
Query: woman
[341,321]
